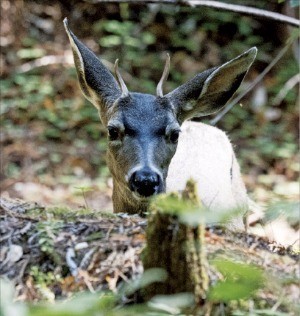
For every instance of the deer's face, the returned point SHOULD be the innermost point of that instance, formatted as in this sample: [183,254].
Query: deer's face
[143,129]
[142,138]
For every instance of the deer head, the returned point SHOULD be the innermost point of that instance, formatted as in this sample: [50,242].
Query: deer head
[143,129]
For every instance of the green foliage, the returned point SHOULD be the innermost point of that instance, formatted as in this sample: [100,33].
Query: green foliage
[173,204]
[30,53]
[285,70]
[47,231]
[172,304]
[43,280]
[264,312]
[240,281]
[188,212]
[83,190]
[57,215]
[80,305]
[262,145]
[148,277]
[123,33]
[239,277]
[32,86]
[98,304]
[36,97]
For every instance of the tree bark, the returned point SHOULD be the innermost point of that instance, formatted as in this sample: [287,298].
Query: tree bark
[179,249]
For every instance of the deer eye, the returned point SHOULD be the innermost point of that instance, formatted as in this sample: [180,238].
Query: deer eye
[113,133]
[129,131]
[174,136]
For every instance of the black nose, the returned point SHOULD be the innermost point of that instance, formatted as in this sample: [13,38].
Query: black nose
[145,182]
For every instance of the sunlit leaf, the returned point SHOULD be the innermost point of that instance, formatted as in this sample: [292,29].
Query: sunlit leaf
[148,277]
[240,281]
[192,214]
[110,41]
[172,304]
[30,53]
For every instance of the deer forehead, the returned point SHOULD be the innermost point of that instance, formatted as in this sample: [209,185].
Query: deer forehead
[140,111]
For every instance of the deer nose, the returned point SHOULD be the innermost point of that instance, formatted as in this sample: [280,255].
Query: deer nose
[145,182]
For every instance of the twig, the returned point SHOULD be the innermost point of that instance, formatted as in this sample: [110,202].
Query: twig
[109,231]
[45,61]
[251,85]
[286,88]
[67,59]
[246,10]
[25,262]
[86,260]
[220,6]
[70,256]
[84,276]
[23,217]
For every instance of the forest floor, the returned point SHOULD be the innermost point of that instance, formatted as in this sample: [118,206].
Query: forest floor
[50,253]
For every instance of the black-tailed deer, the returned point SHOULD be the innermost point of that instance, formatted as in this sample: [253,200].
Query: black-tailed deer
[152,147]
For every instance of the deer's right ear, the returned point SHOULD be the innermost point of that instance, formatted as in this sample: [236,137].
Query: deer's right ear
[96,82]
[209,91]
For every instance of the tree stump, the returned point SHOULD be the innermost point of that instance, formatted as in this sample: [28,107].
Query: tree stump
[176,247]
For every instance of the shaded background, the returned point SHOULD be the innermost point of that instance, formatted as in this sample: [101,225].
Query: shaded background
[53,145]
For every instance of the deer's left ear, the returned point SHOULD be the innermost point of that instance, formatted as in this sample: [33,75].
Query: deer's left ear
[210,90]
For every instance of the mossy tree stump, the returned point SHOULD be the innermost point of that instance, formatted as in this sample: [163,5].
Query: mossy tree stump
[176,247]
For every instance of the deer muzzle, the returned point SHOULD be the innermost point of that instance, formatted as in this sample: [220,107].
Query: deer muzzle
[145,182]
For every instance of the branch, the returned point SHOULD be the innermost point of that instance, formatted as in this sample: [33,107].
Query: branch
[45,61]
[66,59]
[220,6]
[289,85]
[247,11]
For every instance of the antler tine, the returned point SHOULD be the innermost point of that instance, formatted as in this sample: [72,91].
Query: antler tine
[159,89]
[120,80]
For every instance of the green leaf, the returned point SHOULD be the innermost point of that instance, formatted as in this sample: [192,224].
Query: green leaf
[110,41]
[148,277]
[228,291]
[240,281]
[30,53]
[189,213]
[172,304]
[270,312]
